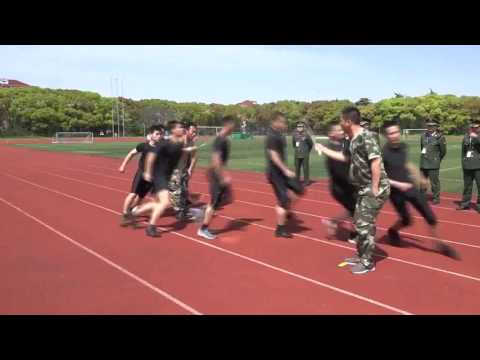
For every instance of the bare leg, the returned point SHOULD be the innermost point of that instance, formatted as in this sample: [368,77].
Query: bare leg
[208,215]
[129,202]
[281,215]
[162,203]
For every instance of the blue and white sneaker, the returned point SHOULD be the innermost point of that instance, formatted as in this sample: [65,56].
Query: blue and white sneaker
[205,233]
[362,268]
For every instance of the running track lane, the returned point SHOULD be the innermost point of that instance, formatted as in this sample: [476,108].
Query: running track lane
[42,273]
[296,245]
[210,281]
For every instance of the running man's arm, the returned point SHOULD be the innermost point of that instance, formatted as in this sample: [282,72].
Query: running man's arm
[217,165]
[336,155]
[416,175]
[193,163]
[127,159]
[279,163]
[375,167]
[403,186]
[149,161]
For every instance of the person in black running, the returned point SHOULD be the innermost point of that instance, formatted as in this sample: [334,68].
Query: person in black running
[140,187]
[159,166]
[220,182]
[341,187]
[278,174]
[402,176]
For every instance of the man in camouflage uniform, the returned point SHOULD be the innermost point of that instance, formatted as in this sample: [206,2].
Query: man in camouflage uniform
[178,185]
[471,166]
[433,149]
[302,144]
[368,175]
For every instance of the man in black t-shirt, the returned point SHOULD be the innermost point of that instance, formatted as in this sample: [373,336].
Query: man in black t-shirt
[220,188]
[402,176]
[341,187]
[278,174]
[140,187]
[159,166]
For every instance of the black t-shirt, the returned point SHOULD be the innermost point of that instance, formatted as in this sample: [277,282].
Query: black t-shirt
[395,161]
[275,141]
[339,170]
[143,148]
[168,154]
[222,145]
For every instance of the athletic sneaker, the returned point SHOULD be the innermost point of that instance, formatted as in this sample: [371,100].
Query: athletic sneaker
[360,268]
[151,231]
[352,260]
[436,201]
[394,236]
[352,239]
[282,233]
[464,207]
[127,219]
[205,233]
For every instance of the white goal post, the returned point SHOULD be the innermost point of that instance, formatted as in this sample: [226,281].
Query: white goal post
[73,137]
[409,132]
[208,130]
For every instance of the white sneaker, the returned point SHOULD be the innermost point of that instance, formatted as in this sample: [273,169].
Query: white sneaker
[206,234]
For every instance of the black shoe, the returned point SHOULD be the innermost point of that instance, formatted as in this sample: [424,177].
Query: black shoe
[127,219]
[394,236]
[182,216]
[151,231]
[463,207]
[283,233]
[436,201]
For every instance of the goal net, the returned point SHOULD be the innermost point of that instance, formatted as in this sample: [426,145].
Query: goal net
[208,131]
[73,138]
[413,133]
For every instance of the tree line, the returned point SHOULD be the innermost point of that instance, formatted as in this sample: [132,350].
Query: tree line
[39,111]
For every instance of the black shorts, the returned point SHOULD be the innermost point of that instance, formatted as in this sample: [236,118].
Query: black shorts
[220,195]
[140,186]
[417,199]
[345,194]
[281,184]
[160,182]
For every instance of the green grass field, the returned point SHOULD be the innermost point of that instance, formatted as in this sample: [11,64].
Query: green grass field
[249,155]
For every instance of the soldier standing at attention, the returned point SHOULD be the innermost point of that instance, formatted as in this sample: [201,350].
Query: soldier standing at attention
[303,144]
[471,166]
[433,149]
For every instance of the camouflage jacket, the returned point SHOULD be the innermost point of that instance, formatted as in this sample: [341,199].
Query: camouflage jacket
[363,149]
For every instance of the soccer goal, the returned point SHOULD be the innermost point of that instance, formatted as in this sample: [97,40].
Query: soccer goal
[73,138]
[413,133]
[208,130]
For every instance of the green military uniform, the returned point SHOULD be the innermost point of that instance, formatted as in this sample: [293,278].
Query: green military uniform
[363,149]
[471,168]
[433,150]
[302,144]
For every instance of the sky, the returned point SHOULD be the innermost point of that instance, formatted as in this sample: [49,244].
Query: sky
[230,74]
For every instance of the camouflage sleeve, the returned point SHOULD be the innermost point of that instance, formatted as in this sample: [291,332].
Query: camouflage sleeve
[372,148]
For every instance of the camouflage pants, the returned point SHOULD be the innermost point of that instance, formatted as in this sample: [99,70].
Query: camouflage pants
[366,212]
[178,190]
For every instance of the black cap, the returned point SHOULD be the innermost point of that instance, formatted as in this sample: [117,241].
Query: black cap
[300,123]
[432,123]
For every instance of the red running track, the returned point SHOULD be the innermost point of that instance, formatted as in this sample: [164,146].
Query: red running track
[65,252]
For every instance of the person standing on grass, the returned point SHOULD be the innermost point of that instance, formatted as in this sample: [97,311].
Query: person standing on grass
[278,174]
[219,180]
[433,149]
[178,186]
[341,187]
[471,166]
[140,187]
[159,166]
[402,176]
[368,175]
[302,144]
